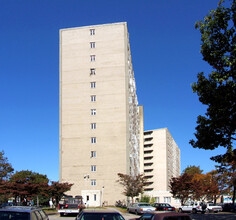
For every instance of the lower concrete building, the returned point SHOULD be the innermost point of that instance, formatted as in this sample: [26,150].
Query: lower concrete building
[161,158]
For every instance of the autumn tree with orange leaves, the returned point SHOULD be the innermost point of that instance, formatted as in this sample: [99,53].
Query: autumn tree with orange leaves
[193,185]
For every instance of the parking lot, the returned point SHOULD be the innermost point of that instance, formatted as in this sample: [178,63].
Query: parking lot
[70,217]
[212,216]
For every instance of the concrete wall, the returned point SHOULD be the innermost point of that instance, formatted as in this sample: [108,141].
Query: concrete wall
[112,112]
[162,155]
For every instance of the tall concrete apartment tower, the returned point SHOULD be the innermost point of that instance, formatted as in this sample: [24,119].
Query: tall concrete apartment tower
[99,113]
[161,163]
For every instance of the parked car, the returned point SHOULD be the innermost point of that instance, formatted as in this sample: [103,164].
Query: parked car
[164,216]
[140,208]
[89,214]
[7,204]
[211,207]
[70,205]
[163,207]
[229,207]
[193,207]
[22,213]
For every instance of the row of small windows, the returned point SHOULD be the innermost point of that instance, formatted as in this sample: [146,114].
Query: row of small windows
[93,111]
[93,168]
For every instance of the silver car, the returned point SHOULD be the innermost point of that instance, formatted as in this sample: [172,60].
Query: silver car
[140,208]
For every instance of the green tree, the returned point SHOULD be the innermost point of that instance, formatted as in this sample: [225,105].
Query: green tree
[218,90]
[145,198]
[225,175]
[5,167]
[29,185]
[192,170]
[27,176]
[133,185]
[5,171]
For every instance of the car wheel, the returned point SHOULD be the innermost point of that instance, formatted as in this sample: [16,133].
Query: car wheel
[61,214]
[136,212]
[194,211]
[180,210]
[128,211]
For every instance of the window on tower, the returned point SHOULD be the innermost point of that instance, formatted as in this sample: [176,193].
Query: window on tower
[92,58]
[93,98]
[92,31]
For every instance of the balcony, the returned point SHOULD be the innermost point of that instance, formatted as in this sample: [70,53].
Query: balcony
[148,183]
[148,139]
[148,170]
[147,145]
[148,164]
[148,132]
[148,176]
[148,157]
[148,151]
[148,189]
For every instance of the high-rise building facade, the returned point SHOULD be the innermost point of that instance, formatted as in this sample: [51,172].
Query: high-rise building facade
[161,163]
[99,113]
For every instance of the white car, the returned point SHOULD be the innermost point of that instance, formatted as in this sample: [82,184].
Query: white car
[140,208]
[211,207]
[193,207]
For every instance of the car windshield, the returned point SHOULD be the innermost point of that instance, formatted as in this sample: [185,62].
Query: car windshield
[147,216]
[7,215]
[101,216]
[144,204]
[166,205]
[73,201]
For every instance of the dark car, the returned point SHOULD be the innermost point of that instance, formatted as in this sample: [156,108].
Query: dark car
[90,214]
[7,204]
[164,216]
[229,207]
[163,207]
[22,213]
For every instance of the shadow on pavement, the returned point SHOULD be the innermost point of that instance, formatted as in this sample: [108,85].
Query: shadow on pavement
[218,216]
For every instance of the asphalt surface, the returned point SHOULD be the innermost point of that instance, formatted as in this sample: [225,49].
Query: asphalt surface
[70,217]
[127,216]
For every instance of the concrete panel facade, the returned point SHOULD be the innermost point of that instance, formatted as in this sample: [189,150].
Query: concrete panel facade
[161,163]
[99,116]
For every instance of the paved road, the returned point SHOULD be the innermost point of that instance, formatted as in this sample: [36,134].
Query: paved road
[127,216]
[70,217]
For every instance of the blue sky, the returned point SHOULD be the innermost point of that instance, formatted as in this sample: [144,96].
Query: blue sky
[166,58]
